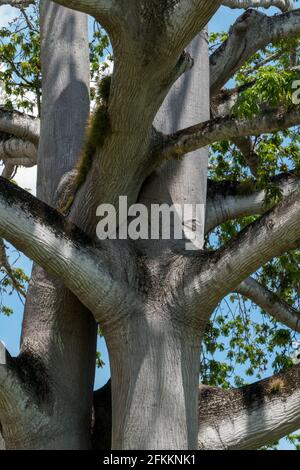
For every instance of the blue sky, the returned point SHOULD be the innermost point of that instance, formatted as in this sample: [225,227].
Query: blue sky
[10,328]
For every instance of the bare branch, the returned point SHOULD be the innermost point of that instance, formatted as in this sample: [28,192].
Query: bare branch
[62,249]
[270,303]
[20,125]
[11,163]
[228,128]
[229,201]
[252,416]
[251,32]
[273,234]
[283,5]
[263,62]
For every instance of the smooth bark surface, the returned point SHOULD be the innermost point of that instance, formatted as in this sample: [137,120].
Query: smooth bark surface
[153,299]
[252,416]
[158,358]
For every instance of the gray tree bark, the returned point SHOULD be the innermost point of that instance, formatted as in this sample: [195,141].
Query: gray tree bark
[153,300]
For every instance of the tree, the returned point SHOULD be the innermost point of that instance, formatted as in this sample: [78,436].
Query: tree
[153,300]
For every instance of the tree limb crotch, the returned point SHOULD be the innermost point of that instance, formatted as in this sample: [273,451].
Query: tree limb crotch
[20,125]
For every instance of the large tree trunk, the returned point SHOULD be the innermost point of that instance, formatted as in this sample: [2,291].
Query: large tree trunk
[155,373]
[58,334]
[155,359]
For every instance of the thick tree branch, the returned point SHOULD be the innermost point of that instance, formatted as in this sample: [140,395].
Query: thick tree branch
[60,248]
[222,103]
[273,234]
[108,12]
[229,201]
[16,149]
[252,416]
[5,376]
[283,5]
[23,126]
[89,5]
[270,303]
[185,19]
[228,128]
[251,32]
[11,163]
[8,170]
[245,418]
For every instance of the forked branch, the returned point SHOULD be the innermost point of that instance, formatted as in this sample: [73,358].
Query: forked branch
[58,246]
